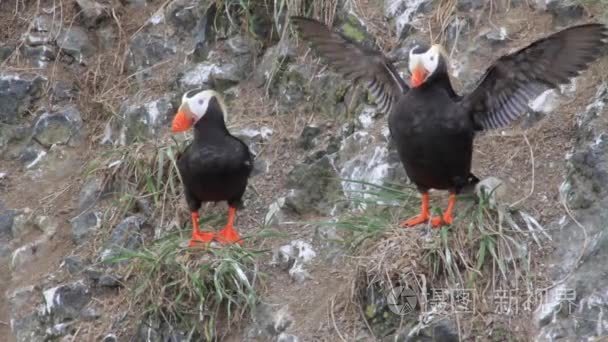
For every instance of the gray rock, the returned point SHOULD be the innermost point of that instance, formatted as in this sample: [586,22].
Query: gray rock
[254,137]
[269,321]
[63,91]
[293,257]
[30,251]
[496,35]
[458,29]
[283,337]
[374,303]
[109,338]
[199,75]
[467,5]
[65,301]
[101,277]
[153,329]
[182,27]
[275,213]
[106,37]
[7,218]
[90,314]
[73,264]
[565,12]
[326,93]
[46,23]
[28,328]
[404,13]
[109,280]
[91,192]
[126,235]
[58,127]
[40,42]
[59,329]
[26,323]
[588,163]
[75,42]
[443,330]
[40,55]
[573,308]
[92,12]
[17,94]
[273,63]
[365,157]
[147,50]
[22,300]
[146,119]
[240,45]
[294,85]
[307,137]
[6,51]
[316,187]
[32,155]
[350,25]
[211,75]
[84,225]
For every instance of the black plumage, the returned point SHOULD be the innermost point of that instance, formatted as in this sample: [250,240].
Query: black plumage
[432,126]
[215,166]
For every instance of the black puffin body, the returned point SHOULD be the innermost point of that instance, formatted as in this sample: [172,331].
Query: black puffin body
[432,126]
[215,166]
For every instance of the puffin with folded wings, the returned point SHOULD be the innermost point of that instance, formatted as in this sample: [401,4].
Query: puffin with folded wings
[432,126]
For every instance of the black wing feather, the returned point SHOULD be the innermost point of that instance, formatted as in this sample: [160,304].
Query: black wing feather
[515,79]
[354,62]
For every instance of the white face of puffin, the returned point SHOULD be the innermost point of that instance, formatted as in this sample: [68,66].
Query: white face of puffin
[194,107]
[424,64]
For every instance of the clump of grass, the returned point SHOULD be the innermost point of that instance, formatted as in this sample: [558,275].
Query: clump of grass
[144,175]
[488,247]
[203,292]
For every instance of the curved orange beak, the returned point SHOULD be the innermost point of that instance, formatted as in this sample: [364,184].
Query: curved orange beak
[182,121]
[418,76]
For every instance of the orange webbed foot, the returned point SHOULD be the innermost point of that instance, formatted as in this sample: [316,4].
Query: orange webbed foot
[437,222]
[414,221]
[200,238]
[228,235]
[447,218]
[423,217]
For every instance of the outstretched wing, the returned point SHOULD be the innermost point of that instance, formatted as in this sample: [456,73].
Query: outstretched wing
[515,79]
[354,62]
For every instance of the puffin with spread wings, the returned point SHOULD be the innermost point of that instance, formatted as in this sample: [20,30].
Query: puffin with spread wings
[432,126]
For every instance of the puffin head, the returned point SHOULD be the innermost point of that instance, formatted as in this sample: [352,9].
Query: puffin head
[196,105]
[425,62]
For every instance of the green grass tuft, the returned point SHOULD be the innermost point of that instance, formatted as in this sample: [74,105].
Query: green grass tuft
[202,291]
[485,248]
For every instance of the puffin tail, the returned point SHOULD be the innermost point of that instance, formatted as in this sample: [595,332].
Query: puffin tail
[472,180]
[469,187]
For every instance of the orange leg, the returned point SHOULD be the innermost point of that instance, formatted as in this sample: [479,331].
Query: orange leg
[424,215]
[197,235]
[447,218]
[228,234]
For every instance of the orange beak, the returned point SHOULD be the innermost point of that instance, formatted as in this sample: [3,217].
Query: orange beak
[418,76]
[182,120]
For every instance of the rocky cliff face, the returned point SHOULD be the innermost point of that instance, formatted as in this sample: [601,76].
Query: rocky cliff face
[87,91]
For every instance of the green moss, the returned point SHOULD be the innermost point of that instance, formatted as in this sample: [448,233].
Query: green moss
[353,32]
